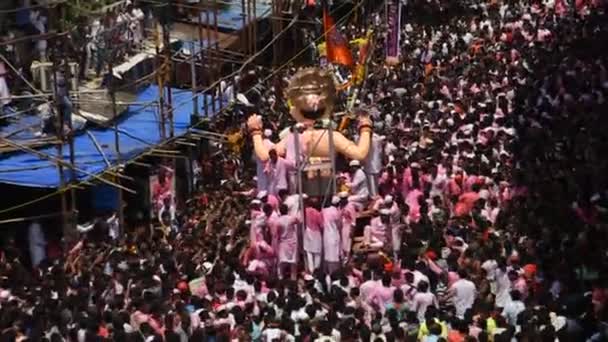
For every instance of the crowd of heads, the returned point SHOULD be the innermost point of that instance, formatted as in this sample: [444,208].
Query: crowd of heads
[492,136]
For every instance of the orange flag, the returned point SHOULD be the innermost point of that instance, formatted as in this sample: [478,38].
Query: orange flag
[338,51]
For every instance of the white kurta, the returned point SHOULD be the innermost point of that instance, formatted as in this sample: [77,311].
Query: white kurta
[349,217]
[37,243]
[331,234]
[359,189]
[5,93]
[376,233]
[293,204]
[373,162]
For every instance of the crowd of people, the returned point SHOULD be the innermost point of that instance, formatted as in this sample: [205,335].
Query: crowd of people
[479,214]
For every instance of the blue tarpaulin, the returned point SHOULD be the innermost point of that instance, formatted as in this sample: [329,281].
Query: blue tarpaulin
[23,128]
[139,130]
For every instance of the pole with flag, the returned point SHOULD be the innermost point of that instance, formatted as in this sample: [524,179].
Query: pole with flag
[337,49]
[393,19]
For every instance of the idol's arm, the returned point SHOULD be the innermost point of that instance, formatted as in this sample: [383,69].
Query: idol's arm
[254,124]
[359,150]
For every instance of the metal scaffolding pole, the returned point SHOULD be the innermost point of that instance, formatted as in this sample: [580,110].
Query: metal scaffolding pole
[193,81]
[276,28]
[295,130]
[112,89]
[201,39]
[161,88]
[250,27]
[254,27]
[168,79]
[59,130]
[215,42]
[244,32]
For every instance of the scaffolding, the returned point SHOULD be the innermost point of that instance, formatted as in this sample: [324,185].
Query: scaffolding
[211,58]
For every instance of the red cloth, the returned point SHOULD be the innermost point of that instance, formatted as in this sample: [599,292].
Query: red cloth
[465,203]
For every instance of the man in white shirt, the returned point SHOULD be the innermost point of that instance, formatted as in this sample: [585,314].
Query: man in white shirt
[276,169]
[358,188]
[39,22]
[373,162]
[37,243]
[262,177]
[513,308]
[463,292]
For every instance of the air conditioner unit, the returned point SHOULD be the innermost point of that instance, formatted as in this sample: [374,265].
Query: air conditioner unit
[42,73]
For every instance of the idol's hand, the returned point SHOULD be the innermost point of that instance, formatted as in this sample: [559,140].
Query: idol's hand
[254,123]
[365,121]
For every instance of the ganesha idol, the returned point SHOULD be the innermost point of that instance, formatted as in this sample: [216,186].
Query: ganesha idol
[312,93]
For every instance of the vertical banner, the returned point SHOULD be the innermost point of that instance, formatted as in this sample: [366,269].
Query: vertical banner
[393,18]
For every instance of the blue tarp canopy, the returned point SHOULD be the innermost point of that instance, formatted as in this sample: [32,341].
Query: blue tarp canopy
[23,128]
[139,130]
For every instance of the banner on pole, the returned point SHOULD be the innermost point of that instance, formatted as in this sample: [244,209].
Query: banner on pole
[393,19]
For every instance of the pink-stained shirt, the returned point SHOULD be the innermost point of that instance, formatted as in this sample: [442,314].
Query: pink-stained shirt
[560,7]
[520,285]
[273,201]
[288,238]
[349,217]
[256,226]
[313,240]
[137,318]
[381,296]
[469,181]
[412,201]
[454,187]
[465,204]
[366,290]
[406,182]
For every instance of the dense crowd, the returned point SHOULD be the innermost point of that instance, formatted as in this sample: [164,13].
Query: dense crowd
[479,214]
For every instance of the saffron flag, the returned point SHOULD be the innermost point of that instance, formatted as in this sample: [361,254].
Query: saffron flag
[364,49]
[337,48]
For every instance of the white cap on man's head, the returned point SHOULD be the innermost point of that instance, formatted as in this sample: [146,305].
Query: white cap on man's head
[262,194]
[354,162]
[343,194]
[335,200]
